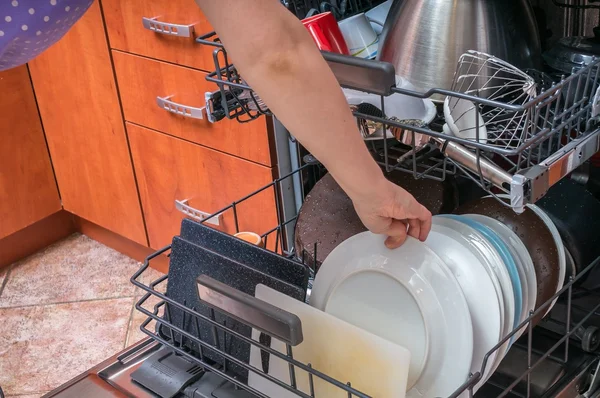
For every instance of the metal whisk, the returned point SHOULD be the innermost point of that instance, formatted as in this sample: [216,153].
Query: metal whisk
[486,76]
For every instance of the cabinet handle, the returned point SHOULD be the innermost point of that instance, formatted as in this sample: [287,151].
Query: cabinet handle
[180,109]
[165,28]
[185,208]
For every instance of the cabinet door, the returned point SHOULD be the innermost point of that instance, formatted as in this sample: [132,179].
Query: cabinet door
[170,169]
[27,187]
[126,30]
[77,96]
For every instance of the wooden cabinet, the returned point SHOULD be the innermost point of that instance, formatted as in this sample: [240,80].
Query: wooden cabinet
[27,187]
[120,159]
[142,80]
[170,169]
[76,91]
[126,32]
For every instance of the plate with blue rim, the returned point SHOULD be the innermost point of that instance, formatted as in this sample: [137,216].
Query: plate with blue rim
[522,259]
[509,263]
[499,275]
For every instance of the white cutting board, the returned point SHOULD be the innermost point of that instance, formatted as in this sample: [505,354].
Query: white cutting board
[374,366]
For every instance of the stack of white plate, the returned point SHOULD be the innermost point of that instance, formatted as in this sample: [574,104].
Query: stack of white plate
[449,300]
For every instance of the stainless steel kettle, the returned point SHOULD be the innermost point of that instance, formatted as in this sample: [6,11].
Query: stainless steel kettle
[424,39]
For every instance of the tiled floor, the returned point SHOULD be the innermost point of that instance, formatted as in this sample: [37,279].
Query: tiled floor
[62,311]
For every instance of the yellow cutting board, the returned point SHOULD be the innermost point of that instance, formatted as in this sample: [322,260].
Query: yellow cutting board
[374,366]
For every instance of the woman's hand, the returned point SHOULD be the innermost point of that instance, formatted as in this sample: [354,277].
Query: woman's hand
[279,59]
[390,210]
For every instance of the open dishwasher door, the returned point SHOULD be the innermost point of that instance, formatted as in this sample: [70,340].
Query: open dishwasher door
[164,371]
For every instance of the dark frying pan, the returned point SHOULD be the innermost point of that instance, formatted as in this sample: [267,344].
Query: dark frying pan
[576,214]
[535,235]
[328,218]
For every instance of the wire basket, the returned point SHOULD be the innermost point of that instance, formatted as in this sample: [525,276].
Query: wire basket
[489,77]
[340,9]
[526,133]
[182,336]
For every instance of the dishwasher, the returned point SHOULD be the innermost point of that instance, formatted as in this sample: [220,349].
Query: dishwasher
[560,357]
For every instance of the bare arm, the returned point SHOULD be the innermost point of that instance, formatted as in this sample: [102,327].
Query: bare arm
[277,57]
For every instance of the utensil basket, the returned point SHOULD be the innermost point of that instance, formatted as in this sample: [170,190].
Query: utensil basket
[183,335]
[559,126]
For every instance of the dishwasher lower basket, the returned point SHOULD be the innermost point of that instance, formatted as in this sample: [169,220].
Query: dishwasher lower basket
[573,331]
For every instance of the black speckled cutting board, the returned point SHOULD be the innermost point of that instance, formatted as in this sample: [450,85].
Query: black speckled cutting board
[187,262]
[246,253]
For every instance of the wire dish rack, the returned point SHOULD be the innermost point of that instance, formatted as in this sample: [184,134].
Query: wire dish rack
[521,141]
[340,9]
[569,334]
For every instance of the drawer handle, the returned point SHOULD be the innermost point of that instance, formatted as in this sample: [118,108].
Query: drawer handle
[180,109]
[185,208]
[165,28]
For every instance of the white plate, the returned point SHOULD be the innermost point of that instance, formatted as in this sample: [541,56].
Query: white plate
[560,247]
[522,259]
[396,105]
[497,273]
[466,262]
[562,258]
[407,296]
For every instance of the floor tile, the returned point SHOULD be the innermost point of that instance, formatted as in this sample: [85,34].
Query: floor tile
[147,277]
[58,342]
[3,273]
[134,334]
[75,269]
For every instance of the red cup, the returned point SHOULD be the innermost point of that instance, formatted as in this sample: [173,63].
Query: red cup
[326,33]
[596,160]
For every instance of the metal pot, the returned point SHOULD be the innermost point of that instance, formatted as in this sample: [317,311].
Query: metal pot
[424,39]
[573,53]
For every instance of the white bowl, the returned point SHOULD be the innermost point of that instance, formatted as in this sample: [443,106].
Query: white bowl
[460,117]
[400,106]
[377,16]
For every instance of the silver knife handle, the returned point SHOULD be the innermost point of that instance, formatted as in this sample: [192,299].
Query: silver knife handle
[180,109]
[198,215]
[259,314]
[166,28]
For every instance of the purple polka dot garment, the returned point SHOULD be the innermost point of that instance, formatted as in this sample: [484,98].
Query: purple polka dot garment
[28,27]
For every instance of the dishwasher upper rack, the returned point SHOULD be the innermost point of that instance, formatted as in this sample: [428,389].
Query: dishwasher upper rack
[560,126]
[179,337]
[341,9]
